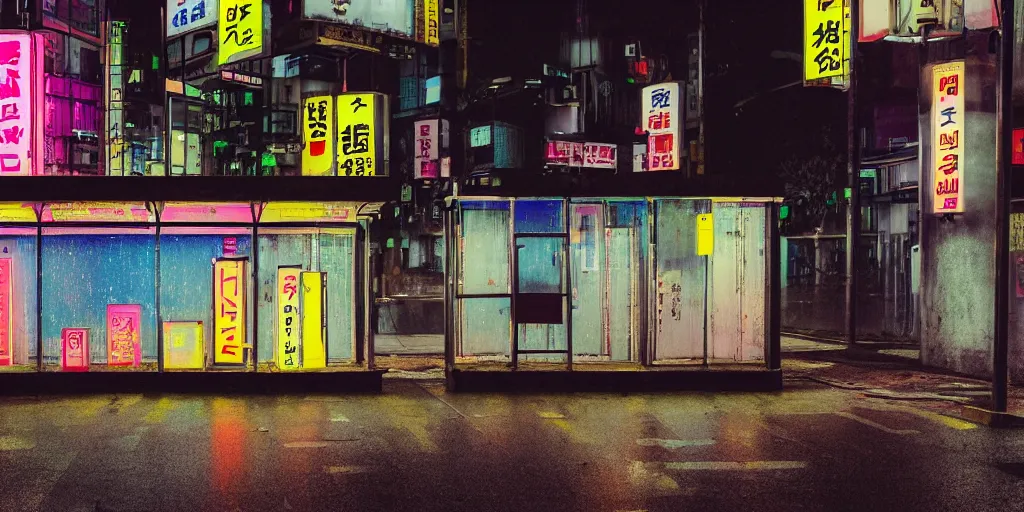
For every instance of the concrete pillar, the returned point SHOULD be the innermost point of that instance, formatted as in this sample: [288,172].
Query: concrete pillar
[957,254]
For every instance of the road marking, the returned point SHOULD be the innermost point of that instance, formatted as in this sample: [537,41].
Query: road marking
[672,444]
[307,444]
[642,475]
[761,465]
[551,415]
[10,443]
[338,417]
[942,419]
[883,428]
[344,470]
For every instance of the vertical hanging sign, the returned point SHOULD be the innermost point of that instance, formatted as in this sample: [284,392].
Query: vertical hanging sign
[229,286]
[15,106]
[357,134]
[6,318]
[74,349]
[947,137]
[660,119]
[124,340]
[239,30]
[826,42]
[431,23]
[289,335]
[115,112]
[318,134]
[425,149]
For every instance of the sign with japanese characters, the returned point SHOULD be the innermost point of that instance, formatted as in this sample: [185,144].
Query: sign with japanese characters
[6,318]
[659,117]
[289,334]
[74,354]
[565,153]
[115,101]
[357,134]
[15,103]
[431,22]
[239,30]
[229,284]
[318,134]
[183,346]
[825,40]
[124,338]
[426,148]
[187,15]
[948,132]
[600,156]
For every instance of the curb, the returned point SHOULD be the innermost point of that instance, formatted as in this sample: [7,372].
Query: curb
[991,418]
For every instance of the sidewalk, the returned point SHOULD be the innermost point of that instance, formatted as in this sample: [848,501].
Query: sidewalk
[881,371]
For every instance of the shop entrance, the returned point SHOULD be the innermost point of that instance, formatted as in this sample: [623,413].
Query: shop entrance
[540,298]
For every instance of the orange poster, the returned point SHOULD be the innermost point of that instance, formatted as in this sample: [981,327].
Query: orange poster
[123,337]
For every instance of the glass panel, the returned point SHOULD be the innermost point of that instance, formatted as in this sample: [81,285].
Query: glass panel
[485,251]
[187,257]
[541,267]
[18,294]
[736,325]
[307,298]
[99,291]
[486,327]
[539,216]
[587,250]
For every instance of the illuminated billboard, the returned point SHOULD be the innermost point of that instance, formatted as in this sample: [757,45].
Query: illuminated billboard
[240,30]
[390,16]
[188,15]
[659,117]
[948,132]
[16,90]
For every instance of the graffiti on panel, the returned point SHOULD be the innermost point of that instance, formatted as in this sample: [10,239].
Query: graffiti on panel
[15,108]
[6,318]
[289,335]
[74,349]
[123,335]
[948,137]
[229,284]
[357,132]
[183,345]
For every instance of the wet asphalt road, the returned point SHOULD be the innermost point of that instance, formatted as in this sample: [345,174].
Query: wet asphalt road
[417,448]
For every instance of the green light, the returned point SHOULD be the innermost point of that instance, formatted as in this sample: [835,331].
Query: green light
[847,193]
[784,212]
[248,99]
[218,146]
[156,63]
[630,80]
[269,160]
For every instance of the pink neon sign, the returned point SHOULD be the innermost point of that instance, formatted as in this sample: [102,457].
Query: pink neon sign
[15,104]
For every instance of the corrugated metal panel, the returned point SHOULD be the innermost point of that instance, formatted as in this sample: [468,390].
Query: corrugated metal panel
[679,299]
[737,313]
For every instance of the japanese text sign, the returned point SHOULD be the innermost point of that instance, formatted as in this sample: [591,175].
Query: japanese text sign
[659,117]
[825,40]
[74,349]
[600,156]
[565,153]
[318,133]
[229,341]
[431,22]
[357,134]
[15,103]
[187,15]
[123,335]
[948,136]
[240,30]
[289,335]
[425,148]
[6,318]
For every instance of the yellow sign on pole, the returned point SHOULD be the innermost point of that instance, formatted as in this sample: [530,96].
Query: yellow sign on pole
[239,30]
[431,23]
[705,234]
[318,134]
[826,40]
[229,284]
[314,351]
[357,134]
[289,334]
[948,130]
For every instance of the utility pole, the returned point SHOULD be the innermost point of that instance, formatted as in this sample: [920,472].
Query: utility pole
[853,177]
[1003,183]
